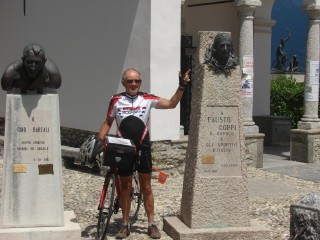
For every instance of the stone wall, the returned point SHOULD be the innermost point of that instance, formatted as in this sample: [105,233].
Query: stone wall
[170,152]
[74,137]
[164,152]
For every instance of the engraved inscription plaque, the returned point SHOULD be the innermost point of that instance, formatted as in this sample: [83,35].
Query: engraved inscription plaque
[33,136]
[221,142]
[45,169]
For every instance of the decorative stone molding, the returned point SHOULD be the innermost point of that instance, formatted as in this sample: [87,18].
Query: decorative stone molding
[263,25]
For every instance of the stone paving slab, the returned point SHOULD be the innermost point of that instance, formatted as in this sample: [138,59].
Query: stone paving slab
[310,171]
[271,189]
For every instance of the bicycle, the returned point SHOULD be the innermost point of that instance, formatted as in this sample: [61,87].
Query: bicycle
[109,202]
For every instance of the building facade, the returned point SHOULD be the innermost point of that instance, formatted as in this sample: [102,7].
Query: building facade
[93,41]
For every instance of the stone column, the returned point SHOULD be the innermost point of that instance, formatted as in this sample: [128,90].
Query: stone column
[310,118]
[305,141]
[253,139]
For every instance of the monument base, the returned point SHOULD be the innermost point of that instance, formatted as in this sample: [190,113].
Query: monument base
[254,153]
[305,145]
[70,231]
[177,230]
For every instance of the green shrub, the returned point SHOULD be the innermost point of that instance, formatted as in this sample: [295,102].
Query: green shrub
[286,98]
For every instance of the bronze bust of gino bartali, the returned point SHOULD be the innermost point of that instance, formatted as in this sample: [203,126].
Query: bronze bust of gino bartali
[32,72]
[220,55]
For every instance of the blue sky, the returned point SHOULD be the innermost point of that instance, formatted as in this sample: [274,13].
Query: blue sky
[289,15]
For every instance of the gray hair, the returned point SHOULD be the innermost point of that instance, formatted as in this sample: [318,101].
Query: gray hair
[128,70]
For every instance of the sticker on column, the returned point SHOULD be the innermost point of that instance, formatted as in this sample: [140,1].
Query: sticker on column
[247,86]
[314,73]
[311,92]
[247,65]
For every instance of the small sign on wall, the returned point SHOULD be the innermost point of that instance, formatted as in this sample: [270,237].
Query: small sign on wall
[247,76]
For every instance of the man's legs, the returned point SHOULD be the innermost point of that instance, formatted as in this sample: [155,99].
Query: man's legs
[148,199]
[126,187]
[125,202]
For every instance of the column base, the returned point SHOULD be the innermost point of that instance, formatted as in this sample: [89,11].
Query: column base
[250,127]
[307,125]
[305,145]
[177,230]
[254,149]
[70,231]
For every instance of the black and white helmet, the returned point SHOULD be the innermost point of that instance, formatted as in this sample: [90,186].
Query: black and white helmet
[87,150]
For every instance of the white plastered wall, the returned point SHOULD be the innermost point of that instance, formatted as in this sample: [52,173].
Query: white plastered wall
[92,42]
[165,65]
[262,55]
[217,17]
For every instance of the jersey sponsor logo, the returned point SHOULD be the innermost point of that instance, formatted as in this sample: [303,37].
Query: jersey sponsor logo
[129,110]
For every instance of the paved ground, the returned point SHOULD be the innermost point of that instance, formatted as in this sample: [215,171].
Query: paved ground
[277,160]
[272,190]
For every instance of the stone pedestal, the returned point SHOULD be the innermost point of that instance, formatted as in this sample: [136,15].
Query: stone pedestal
[32,195]
[276,129]
[70,231]
[215,195]
[305,145]
[254,149]
[175,228]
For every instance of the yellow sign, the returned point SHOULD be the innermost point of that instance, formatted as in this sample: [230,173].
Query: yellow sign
[208,159]
[19,168]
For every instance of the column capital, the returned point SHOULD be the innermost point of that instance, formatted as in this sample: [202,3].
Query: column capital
[247,7]
[312,8]
[248,3]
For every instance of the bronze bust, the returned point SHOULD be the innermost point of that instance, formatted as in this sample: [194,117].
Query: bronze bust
[32,72]
[220,55]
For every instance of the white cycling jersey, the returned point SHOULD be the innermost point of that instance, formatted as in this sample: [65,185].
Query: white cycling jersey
[137,108]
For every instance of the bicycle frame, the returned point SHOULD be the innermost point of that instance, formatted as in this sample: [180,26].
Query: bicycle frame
[109,206]
[112,170]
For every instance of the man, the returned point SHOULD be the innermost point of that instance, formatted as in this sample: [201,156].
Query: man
[131,111]
[32,72]
[220,55]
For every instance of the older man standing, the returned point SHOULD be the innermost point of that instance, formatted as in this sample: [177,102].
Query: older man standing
[131,110]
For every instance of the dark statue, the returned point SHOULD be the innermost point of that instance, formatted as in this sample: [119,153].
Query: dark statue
[294,64]
[281,54]
[220,55]
[32,72]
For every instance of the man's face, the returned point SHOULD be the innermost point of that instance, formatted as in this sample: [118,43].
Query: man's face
[224,48]
[33,65]
[132,82]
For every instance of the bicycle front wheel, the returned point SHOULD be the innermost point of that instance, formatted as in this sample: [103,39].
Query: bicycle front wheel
[106,206]
[136,199]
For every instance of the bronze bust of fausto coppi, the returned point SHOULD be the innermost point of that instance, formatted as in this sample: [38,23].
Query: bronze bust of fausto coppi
[32,72]
[220,55]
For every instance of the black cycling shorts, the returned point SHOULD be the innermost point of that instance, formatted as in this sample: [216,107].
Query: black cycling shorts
[142,163]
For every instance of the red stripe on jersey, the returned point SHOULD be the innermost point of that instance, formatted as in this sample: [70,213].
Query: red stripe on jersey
[150,96]
[113,101]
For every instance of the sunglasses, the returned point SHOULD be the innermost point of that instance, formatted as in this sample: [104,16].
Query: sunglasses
[135,81]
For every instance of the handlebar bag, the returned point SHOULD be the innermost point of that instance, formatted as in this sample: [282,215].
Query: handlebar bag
[119,152]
